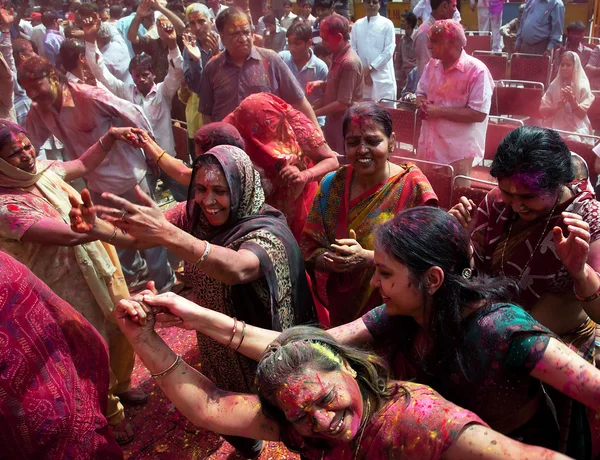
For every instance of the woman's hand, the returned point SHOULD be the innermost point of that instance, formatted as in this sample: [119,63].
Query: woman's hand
[172,310]
[145,222]
[463,211]
[573,250]
[132,136]
[82,215]
[348,255]
[134,317]
[568,95]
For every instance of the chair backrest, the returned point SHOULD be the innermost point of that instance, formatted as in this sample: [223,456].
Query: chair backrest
[593,41]
[476,191]
[406,125]
[530,67]
[478,41]
[498,128]
[594,112]
[518,98]
[181,141]
[440,177]
[497,63]
[584,150]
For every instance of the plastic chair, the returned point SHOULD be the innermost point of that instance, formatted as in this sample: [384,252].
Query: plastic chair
[476,192]
[593,41]
[518,98]
[583,148]
[406,126]
[478,41]
[497,63]
[440,177]
[530,67]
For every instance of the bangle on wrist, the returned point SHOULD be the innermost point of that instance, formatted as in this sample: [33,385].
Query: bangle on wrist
[235,321]
[204,254]
[243,335]
[102,144]
[169,369]
[112,237]
[160,156]
[594,296]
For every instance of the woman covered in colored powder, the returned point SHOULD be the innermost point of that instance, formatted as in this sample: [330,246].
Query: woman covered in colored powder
[514,234]
[446,327]
[54,380]
[288,150]
[240,257]
[34,229]
[568,99]
[320,398]
[337,243]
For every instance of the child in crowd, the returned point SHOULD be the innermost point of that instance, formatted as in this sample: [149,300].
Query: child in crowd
[288,16]
[305,11]
[274,35]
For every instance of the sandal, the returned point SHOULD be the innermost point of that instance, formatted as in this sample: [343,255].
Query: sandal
[123,432]
[134,396]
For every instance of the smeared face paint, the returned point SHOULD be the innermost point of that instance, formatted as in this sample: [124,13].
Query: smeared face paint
[438,43]
[298,48]
[528,201]
[212,194]
[567,64]
[143,79]
[20,153]
[199,25]
[322,404]
[367,146]
[237,37]
[399,292]
[332,42]
[43,91]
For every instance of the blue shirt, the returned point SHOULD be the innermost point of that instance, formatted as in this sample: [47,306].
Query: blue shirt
[314,70]
[192,69]
[542,20]
[123,26]
[52,41]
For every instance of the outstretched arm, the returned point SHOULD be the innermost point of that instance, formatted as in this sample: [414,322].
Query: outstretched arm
[192,393]
[175,168]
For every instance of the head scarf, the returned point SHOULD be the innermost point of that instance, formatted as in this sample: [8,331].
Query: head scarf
[579,82]
[218,133]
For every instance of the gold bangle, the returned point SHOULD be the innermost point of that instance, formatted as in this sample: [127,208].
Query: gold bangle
[243,335]
[233,331]
[160,156]
[113,235]
[169,369]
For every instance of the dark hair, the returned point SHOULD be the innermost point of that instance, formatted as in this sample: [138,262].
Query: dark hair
[302,347]
[410,18]
[320,51]
[435,4]
[71,50]
[576,26]
[226,15]
[104,10]
[8,130]
[270,19]
[368,110]
[301,30]
[49,17]
[18,46]
[337,23]
[87,9]
[536,152]
[37,67]
[287,3]
[140,62]
[218,133]
[116,11]
[424,237]
[324,4]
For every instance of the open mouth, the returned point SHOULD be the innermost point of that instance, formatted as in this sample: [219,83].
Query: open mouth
[365,161]
[336,428]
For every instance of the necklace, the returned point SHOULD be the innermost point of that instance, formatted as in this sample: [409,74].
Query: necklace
[537,246]
[357,451]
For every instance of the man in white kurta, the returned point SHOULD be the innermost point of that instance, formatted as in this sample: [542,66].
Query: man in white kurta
[489,17]
[454,96]
[373,39]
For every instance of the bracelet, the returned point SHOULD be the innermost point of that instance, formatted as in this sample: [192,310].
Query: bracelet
[204,254]
[233,332]
[113,235]
[243,335]
[160,156]
[312,178]
[169,369]
[102,144]
[594,296]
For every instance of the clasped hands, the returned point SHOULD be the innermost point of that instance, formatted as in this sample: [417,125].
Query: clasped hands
[346,255]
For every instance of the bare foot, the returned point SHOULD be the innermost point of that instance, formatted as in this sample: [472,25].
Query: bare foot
[123,432]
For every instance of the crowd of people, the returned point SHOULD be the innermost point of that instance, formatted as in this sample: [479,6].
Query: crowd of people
[338,308]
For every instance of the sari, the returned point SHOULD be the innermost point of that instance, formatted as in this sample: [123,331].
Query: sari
[349,295]
[54,379]
[539,272]
[277,135]
[277,301]
[416,423]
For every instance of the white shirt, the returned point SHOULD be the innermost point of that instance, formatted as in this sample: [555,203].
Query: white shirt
[211,13]
[116,57]
[287,20]
[37,37]
[71,77]
[374,41]
[468,83]
[156,105]
[423,11]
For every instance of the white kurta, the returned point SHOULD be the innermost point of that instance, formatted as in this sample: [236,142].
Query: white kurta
[374,42]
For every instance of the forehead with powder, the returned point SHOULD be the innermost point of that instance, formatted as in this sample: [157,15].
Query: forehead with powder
[211,175]
[449,30]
